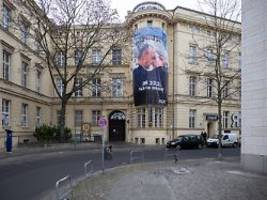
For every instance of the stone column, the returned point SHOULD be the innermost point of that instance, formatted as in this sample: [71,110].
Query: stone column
[254,85]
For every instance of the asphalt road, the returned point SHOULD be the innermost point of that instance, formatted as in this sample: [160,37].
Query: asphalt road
[29,179]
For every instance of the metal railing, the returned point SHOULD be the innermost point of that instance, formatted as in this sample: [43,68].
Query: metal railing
[64,188]
[88,165]
[136,155]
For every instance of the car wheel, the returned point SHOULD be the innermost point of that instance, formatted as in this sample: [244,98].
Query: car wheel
[200,146]
[234,145]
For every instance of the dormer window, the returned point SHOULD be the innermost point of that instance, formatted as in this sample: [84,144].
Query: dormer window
[149,23]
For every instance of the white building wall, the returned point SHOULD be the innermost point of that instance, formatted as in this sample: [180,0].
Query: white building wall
[254,85]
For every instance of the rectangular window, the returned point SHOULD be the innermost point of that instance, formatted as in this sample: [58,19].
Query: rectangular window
[6,65]
[192,118]
[79,89]
[38,116]
[192,55]
[96,87]
[60,86]
[158,117]
[209,55]
[150,116]
[225,91]
[24,32]
[117,87]
[226,60]
[116,56]
[60,59]
[24,115]
[77,56]
[24,74]
[96,114]
[192,86]
[149,23]
[141,117]
[5,113]
[58,116]
[209,87]
[96,56]
[38,80]
[78,117]
[225,119]
[6,17]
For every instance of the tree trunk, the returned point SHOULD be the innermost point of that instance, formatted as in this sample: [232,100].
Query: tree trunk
[220,129]
[62,120]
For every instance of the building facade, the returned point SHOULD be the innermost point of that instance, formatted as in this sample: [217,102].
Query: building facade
[187,106]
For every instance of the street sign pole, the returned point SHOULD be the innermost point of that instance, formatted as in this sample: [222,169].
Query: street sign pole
[102,123]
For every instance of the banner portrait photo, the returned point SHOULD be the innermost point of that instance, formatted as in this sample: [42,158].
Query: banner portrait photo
[150,66]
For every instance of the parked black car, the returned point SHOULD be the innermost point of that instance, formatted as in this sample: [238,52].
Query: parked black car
[187,141]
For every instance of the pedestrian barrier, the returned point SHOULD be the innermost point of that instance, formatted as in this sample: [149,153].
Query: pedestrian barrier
[88,165]
[171,152]
[64,188]
[136,155]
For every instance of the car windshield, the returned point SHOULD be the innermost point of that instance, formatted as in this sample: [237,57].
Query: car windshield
[179,138]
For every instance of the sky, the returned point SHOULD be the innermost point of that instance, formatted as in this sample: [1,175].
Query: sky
[123,6]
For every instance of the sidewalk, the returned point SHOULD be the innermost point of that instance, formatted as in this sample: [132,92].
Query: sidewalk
[55,148]
[202,179]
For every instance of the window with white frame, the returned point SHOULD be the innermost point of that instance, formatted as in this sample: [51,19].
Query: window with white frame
[150,116]
[78,87]
[6,65]
[192,118]
[60,59]
[5,112]
[209,87]
[226,60]
[209,55]
[24,32]
[116,56]
[225,119]
[117,87]
[192,54]
[96,114]
[38,116]
[6,17]
[38,83]
[24,115]
[78,117]
[24,74]
[141,117]
[96,92]
[60,86]
[158,117]
[192,85]
[96,56]
[77,56]
[225,91]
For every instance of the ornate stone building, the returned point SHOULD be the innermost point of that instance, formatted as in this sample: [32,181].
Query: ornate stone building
[28,98]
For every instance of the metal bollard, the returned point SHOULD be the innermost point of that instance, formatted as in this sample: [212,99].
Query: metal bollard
[64,188]
[86,166]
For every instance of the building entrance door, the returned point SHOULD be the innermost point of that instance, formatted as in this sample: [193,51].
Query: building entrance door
[117,126]
[211,128]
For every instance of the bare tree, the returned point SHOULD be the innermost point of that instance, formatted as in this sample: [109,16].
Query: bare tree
[219,53]
[66,32]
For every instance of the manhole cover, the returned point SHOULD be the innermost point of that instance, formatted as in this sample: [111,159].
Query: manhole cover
[181,171]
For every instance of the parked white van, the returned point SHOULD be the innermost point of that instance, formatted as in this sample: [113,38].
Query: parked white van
[228,140]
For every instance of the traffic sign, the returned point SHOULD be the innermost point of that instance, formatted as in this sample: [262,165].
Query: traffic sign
[102,122]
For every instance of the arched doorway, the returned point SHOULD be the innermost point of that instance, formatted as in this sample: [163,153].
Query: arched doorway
[116,126]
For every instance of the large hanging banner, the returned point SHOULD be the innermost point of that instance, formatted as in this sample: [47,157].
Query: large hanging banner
[150,66]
